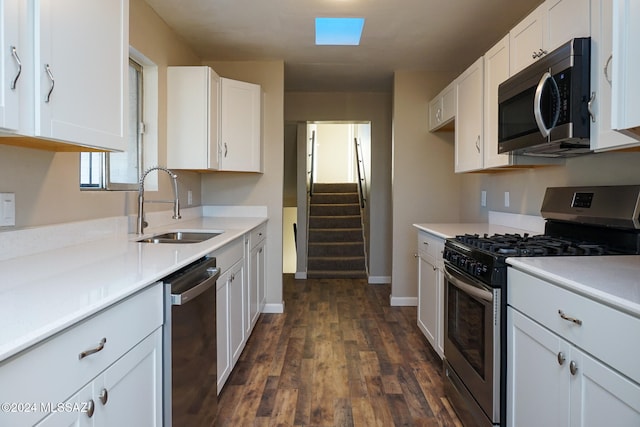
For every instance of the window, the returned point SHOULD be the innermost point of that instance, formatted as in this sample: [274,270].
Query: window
[119,171]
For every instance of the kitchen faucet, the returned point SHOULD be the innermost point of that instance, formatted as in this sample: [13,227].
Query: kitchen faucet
[141,224]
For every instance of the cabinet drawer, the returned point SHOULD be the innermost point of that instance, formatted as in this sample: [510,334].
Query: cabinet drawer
[53,370]
[257,235]
[606,333]
[430,247]
[229,254]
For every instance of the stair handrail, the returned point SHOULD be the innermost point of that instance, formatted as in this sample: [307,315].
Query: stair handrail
[362,179]
[312,155]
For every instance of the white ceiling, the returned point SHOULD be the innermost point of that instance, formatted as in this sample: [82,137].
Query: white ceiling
[398,34]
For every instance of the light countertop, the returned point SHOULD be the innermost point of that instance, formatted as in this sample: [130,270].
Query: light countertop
[44,293]
[612,280]
[447,230]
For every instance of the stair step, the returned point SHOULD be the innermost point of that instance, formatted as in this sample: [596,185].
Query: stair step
[334,209]
[336,263]
[333,198]
[335,235]
[334,221]
[335,249]
[335,187]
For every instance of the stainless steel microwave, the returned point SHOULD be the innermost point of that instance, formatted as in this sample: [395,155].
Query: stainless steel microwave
[544,109]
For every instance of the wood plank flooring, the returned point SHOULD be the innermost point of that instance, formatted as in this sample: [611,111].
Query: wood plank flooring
[338,356]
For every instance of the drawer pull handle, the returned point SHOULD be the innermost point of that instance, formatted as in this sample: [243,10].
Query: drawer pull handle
[89,352]
[569,318]
[103,396]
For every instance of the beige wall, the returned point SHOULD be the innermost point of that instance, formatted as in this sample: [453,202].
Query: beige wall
[526,187]
[425,188]
[254,189]
[374,107]
[46,184]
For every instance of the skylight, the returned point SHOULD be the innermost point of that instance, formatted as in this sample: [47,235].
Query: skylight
[339,31]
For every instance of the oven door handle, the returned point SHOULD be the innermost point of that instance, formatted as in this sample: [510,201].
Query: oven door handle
[472,290]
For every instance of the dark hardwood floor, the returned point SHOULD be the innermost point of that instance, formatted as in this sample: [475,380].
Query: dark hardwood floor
[338,356]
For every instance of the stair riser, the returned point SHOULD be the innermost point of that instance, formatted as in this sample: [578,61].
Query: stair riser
[334,222]
[336,250]
[335,188]
[333,264]
[335,236]
[328,210]
[329,198]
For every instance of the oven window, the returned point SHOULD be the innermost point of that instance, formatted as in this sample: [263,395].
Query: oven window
[466,327]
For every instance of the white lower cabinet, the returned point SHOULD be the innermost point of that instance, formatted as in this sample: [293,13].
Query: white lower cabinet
[431,290]
[239,298]
[104,371]
[127,393]
[561,373]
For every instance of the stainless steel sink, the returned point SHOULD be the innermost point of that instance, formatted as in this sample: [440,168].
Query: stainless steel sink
[181,237]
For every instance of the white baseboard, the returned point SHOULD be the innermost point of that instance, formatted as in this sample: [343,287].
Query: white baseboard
[300,275]
[273,308]
[403,301]
[379,280]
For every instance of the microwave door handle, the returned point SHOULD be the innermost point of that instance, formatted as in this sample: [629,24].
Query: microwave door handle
[537,107]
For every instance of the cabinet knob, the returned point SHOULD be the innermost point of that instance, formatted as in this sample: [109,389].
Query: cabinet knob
[561,358]
[91,407]
[103,396]
[573,367]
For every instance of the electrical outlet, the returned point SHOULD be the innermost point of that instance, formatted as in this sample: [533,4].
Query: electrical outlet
[506,199]
[7,209]
[189,198]
[483,198]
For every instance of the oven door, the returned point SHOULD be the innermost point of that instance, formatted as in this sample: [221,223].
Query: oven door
[472,339]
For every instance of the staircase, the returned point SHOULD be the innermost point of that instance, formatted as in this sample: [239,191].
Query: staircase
[336,243]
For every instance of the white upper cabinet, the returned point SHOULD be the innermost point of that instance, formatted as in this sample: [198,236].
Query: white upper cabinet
[193,97]
[625,65]
[14,53]
[469,104]
[603,137]
[213,123]
[550,25]
[81,59]
[496,70]
[240,141]
[442,109]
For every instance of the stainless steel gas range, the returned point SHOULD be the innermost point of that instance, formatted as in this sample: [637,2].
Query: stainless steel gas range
[580,221]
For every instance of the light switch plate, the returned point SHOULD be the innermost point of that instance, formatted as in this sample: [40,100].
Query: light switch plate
[7,209]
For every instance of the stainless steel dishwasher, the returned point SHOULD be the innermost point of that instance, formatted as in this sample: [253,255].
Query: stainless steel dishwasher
[189,353]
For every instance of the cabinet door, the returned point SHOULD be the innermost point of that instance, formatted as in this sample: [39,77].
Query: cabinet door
[222,328]
[240,126]
[603,137]
[435,113]
[81,60]
[256,283]
[13,56]
[600,396]
[468,138]
[537,383]
[237,310]
[496,71]
[130,391]
[626,61]
[559,13]
[429,303]
[526,40]
[78,411]
[192,118]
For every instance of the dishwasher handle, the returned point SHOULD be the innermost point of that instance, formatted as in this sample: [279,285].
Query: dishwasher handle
[190,294]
